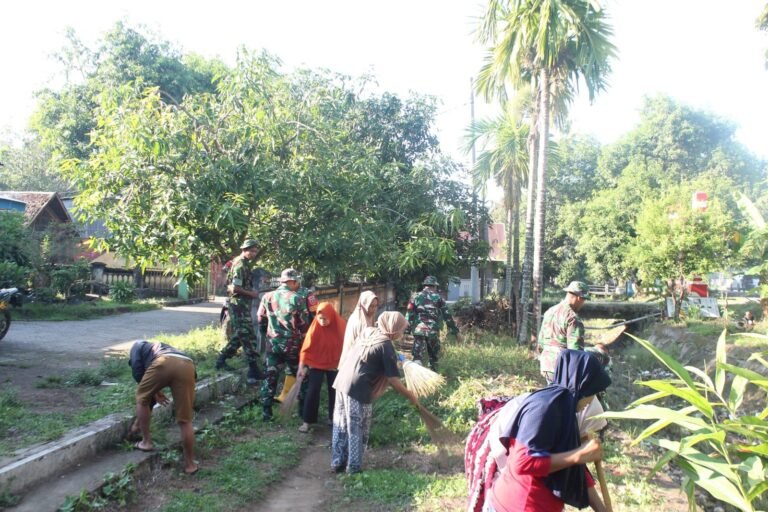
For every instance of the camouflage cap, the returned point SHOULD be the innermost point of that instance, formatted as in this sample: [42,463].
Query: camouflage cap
[430,281]
[289,274]
[249,243]
[578,288]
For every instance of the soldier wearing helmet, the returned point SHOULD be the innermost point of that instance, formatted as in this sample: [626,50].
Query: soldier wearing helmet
[426,313]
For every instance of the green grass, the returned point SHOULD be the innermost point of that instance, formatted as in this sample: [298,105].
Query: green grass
[241,475]
[396,489]
[82,311]
[21,425]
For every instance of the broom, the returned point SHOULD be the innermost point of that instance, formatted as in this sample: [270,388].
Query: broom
[601,479]
[290,398]
[422,381]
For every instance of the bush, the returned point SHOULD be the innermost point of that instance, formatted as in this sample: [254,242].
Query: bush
[68,280]
[122,292]
[43,295]
[13,275]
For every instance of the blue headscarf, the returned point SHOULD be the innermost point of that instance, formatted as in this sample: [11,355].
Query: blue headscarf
[546,420]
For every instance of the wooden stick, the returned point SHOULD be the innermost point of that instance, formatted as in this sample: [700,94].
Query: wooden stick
[603,485]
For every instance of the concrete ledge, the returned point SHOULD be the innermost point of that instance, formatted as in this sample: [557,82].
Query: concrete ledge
[32,465]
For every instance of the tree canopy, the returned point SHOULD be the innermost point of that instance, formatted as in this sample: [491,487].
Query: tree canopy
[327,176]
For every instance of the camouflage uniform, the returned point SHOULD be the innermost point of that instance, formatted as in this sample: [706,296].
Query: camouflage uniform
[286,315]
[426,311]
[560,328]
[310,301]
[240,330]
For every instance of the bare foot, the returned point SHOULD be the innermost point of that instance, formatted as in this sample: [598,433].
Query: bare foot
[191,470]
[144,447]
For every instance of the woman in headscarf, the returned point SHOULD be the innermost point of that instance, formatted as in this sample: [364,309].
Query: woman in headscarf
[319,359]
[365,372]
[546,466]
[361,318]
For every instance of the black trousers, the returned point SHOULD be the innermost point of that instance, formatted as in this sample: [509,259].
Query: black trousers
[312,397]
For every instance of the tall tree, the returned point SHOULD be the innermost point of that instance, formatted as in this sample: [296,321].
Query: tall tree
[762,24]
[504,158]
[553,43]
[291,160]
[65,118]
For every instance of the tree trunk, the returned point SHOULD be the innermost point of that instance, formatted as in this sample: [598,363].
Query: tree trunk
[508,265]
[515,296]
[541,201]
[523,319]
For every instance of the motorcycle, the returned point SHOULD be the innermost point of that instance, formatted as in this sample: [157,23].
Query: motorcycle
[8,297]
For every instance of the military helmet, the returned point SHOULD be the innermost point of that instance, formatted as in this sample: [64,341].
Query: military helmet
[578,288]
[248,244]
[430,281]
[289,274]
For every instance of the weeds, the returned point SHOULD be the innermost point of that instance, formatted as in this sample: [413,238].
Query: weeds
[117,490]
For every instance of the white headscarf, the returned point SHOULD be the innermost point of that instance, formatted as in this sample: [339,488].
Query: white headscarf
[358,321]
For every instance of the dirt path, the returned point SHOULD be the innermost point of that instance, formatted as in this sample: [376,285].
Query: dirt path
[309,485]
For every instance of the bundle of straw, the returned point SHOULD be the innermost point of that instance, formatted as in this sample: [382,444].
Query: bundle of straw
[422,381]
[290,398]
[440,435]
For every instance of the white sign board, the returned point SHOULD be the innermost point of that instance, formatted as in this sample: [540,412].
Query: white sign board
[707,306]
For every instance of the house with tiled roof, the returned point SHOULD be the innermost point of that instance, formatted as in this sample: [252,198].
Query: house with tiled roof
[41,209]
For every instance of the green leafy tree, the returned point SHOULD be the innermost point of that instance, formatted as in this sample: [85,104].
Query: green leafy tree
[25,167]
[65,118]
[504,158]
[675,241]
[762,24]
[287,159]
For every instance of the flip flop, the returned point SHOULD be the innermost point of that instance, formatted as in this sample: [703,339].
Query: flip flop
[190,473]
[137,446]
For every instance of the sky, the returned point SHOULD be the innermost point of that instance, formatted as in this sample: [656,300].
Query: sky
[704,53]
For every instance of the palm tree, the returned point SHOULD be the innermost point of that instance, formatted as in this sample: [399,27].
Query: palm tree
[552,44]
[504,158]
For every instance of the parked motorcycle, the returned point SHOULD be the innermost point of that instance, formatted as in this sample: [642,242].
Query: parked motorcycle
[8,297]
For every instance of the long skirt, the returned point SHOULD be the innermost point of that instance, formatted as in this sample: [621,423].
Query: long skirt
[351,425]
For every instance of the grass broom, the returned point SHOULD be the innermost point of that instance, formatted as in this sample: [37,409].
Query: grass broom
[422,381]
[290,399]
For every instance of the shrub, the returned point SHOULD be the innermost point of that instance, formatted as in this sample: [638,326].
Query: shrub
[122,292]
[13,274]
[68,279]
[44,295]
[723,449]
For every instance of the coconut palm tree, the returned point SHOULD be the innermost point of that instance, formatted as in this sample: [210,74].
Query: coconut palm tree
[553,44]
[504,157]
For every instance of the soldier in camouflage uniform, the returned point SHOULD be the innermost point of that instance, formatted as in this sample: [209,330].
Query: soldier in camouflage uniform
[241,332]
[285,313]
[562,328]
[426,312]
